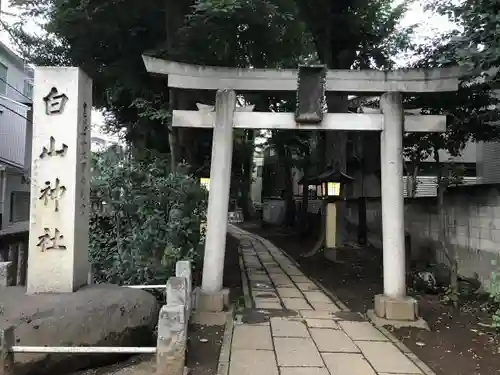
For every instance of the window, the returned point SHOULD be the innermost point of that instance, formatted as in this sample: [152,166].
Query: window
[3,79]
[28,89]
[259,171]
[19,206]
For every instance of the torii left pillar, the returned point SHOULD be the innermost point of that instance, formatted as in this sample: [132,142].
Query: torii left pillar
[212,296]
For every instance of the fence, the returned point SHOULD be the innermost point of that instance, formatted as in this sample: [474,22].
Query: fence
[170,349]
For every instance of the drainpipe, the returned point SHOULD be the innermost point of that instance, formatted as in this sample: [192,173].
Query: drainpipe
[3,192]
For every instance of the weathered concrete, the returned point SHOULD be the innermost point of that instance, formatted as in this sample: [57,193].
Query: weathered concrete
[190,76]
[7,277]
[331,121]
[391,162]
[382,322]
[220,176]
[60,181]
[171,342]
[405,308]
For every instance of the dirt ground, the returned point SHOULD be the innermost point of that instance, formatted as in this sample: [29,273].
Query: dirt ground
[204,343]
[457,343]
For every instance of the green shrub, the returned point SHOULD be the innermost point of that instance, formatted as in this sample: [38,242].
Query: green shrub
[143,219]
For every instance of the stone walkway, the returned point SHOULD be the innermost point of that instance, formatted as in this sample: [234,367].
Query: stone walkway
[291,327]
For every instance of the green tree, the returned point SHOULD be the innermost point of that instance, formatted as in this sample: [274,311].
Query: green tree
[143,220]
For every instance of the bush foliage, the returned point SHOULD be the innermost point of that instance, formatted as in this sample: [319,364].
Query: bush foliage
[143,218]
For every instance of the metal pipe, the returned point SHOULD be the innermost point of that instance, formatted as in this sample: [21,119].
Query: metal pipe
[83,349]
[3,195]
[145,286]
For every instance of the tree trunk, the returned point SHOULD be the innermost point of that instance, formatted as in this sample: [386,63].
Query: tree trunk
[288,191]
[247,169]
[305,195]
[172,139]
[335,156]
[447,248]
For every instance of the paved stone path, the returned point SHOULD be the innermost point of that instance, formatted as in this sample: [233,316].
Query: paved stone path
[291,327]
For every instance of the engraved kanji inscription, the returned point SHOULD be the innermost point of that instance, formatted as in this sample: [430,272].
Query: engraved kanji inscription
[55,102]
[52,193]
[48,242]
[84,155]
[51,150]
[85,118]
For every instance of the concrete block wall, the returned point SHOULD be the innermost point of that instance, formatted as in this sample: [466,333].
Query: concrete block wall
[472,224]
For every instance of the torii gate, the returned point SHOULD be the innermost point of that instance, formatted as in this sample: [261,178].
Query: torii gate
[391,122]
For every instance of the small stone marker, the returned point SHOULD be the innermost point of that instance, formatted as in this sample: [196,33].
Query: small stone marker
[183,269]
[171,346]
[60,178]
[7,277]
[177,291]
[7,355]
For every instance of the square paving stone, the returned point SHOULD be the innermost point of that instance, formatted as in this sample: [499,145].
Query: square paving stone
[277,274]
[331,307]
[312,314]
[294,272]
[266,303]
[296,304]
[363,331]
[283,282]
[307,286]
[252,337]
[284,327]
[333,340]
[297,352]
[385,357]
[318,296]
[303,371]
[347,363]
[300,279]
[250,362]
[290,293]
[258,277]
[265,294]
[322,323]
[260,285]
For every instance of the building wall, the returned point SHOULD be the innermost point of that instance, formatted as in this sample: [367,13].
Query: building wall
[473,227]
[488,162]
[13,109]
[15,207]
[12,132]
[256,188]
[15,136]
[16,185]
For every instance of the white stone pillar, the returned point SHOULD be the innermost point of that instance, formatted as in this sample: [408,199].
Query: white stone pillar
[60,181]
[218,201]
[393,195]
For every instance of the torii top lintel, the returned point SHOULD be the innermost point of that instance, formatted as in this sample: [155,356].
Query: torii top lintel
[187,76]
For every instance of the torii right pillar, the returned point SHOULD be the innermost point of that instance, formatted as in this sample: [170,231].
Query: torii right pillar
[393,304]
